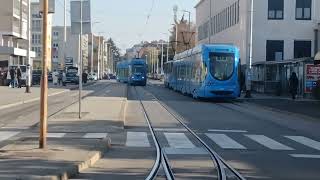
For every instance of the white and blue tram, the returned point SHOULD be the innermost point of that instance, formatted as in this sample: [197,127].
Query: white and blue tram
[206,71]
[122,71]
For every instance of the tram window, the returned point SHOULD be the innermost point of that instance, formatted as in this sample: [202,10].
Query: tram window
[221,65]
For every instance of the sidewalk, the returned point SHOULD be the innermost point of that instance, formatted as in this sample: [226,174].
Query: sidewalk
[73,144]
[306,107]
[10,97]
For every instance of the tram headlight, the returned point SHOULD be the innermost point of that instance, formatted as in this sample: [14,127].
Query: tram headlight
[143,77]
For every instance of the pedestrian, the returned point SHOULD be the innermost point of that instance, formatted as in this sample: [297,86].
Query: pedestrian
[19,75]
[64,78]
[293,85]
[55,77]
[12,76]
[84,77]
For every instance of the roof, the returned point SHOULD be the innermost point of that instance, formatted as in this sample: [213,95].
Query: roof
[200,2]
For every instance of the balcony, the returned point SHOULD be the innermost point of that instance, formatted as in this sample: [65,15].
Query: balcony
[16,9]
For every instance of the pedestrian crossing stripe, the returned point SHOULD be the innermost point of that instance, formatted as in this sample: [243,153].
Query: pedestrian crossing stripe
[137,139]
[178,140]
[224,141]
[5,135]
[268,142]
[305,141]
[95,135]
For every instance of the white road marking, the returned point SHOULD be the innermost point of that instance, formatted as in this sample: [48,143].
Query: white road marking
[225,141]
[4,135]
[185,151]
[171,129]
[178,140]
[227,130]
[305,141]
[268,142]
[55,135]
[95,135]
[307,156]
[137,139]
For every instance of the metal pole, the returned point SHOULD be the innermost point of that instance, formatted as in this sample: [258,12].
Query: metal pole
[168,49]
[80,62]
[162,58]
[157,61]
[28,80]
[44,79]
[99,57]
[249,64]
[62,63]
[92,43]
[210,21]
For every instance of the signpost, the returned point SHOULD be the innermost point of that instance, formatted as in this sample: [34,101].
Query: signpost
[80,24]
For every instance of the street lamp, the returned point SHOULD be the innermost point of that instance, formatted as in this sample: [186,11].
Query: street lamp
[249,64]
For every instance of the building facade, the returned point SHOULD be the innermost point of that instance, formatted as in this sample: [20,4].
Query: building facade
[13,33]
[36,35]
[282,29]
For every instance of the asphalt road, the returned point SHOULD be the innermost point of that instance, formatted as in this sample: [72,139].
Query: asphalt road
[259,143]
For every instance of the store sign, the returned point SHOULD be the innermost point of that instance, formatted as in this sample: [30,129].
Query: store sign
[312,76]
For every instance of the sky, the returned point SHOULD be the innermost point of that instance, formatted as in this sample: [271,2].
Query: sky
[125,21]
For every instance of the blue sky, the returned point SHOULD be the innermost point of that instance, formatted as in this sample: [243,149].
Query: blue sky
[125,20]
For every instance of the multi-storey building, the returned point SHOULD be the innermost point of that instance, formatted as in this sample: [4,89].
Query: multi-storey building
[36,33]
[69,56]
[282,29]
[13,32]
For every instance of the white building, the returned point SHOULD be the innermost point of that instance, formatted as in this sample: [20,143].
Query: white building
[13,32]
[36,33]
[69,57]
[282,29]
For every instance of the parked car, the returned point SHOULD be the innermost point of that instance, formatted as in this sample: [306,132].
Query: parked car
[50,78]
[72,78]
[93,77]
[112,76]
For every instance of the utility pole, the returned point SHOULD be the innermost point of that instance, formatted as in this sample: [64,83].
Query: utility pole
[210,21]
[28,80]
[249,64]
[162,58]
[44,78]
[91,57]
[62,62]
[99,57]
[168,49]
[80,61]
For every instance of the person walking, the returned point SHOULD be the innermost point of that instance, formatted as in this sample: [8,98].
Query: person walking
[64,78]
[19,75]
[12,76]
[55,76]
[293,84]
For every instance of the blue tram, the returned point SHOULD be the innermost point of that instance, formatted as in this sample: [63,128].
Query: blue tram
[122,71]
[138,72]
[206,71]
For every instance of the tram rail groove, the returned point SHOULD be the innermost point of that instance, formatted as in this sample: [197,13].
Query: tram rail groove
[161,157]
[219,161]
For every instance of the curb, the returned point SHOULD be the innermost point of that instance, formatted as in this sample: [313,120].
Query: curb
[74,170]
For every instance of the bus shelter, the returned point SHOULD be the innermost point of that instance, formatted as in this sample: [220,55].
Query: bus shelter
[272,77]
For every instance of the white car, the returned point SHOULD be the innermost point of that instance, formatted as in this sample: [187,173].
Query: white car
[93,77]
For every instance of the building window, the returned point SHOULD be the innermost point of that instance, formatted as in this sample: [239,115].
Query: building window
[303,9]
[275,9]
[274,50]
[302,49]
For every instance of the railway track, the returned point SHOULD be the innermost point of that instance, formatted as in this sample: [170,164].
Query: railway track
[221,167]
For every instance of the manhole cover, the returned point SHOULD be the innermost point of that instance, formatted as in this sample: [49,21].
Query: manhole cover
[70,115]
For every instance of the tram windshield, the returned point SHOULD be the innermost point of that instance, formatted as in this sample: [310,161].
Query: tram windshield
[221,65]
[138,69]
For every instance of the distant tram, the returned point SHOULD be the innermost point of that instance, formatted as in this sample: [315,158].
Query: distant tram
[206,71]
[133,72]
[122,71]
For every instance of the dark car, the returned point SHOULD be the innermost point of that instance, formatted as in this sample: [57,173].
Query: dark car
[50,79]
[36,77]
[72,78]
[112,76]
